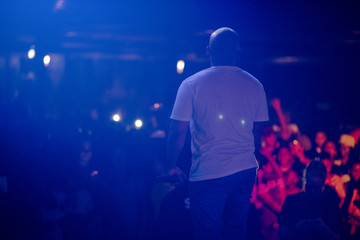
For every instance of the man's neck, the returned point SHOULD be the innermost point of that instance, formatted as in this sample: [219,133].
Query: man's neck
[222,63]
[227,65]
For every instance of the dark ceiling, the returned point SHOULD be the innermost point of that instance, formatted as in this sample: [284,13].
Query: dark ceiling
[322,36]
[153,28]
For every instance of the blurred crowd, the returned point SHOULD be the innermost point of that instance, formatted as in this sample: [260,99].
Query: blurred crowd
[283,157]
[100,183]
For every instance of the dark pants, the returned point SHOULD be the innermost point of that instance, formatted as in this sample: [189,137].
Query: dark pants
[220,206]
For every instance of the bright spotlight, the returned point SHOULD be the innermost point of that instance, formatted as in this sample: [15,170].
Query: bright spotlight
[116,118]
[180,66]
[46,60]
[138,124]
[31,53]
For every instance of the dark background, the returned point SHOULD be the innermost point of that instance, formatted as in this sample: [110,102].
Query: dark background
[120,56]
[112,57]
[305,53]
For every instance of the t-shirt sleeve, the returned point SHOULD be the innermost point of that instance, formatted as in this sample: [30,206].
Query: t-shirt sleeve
[261,114]
[183,107]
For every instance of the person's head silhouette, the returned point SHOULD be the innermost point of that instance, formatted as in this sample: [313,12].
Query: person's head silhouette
[223,47]
[315,175]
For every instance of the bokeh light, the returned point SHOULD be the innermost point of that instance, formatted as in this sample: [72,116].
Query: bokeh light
[46,60]
[138,124]
[94,173]
[31,53]
[116,117]
[180,66]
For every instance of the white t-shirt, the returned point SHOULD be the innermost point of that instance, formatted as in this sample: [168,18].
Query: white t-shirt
[221,103]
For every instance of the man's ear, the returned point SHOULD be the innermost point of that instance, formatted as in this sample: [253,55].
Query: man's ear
[207,51]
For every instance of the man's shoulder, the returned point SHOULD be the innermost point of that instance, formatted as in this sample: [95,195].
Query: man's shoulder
[215,71]
[199,75]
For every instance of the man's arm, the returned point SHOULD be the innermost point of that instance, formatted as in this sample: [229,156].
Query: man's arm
[175,143]
[257,132]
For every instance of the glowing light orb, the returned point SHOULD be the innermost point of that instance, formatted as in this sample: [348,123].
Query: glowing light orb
[180,66]
[46,60]
[156,105]
[221,116]
[59,5]
[116,117]
[138,124]
[31,53]
[242,122]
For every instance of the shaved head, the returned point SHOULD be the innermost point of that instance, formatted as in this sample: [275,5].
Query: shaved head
[223,46]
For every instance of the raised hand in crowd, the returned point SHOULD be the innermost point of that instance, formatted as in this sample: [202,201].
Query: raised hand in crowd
[285,132]
[298,151]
